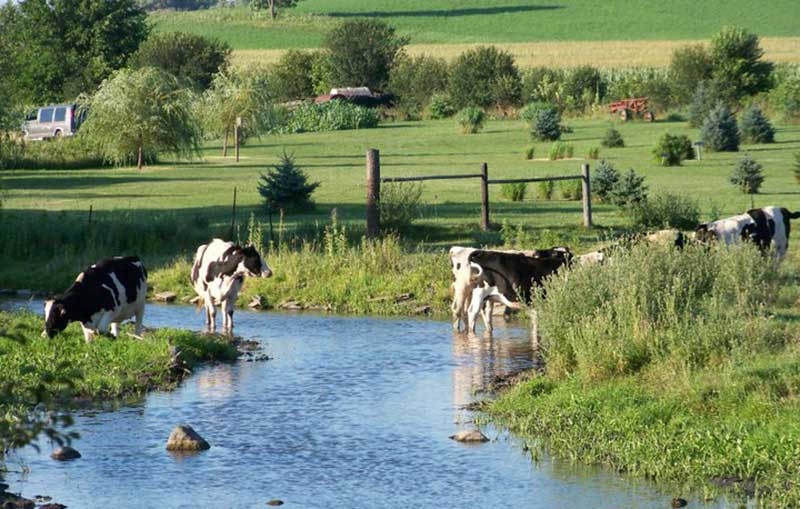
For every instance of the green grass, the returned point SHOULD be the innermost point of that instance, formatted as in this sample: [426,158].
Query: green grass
[476,21]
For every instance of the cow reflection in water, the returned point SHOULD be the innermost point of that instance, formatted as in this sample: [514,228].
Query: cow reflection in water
[217,382]
[481,362]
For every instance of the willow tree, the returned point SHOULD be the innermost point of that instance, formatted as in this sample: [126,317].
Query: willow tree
[232,97]
[142,111]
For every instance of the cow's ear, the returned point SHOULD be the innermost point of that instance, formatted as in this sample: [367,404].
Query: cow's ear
[62,311]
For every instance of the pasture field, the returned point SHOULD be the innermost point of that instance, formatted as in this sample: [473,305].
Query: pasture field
[480,21]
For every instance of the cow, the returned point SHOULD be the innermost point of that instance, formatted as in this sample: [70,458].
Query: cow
[218,274]
[506,278]
[105,294]
[765,227]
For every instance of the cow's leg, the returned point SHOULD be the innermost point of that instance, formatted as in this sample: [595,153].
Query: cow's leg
[115,329]
[486,312]
[475,305]
[139,319]
[228,306]
[211,315]
[88,334]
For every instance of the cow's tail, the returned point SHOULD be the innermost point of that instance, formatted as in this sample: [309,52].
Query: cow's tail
[473,265]
[198,262]
[794,215]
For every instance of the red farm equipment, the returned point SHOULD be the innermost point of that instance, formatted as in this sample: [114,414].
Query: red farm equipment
[629,108]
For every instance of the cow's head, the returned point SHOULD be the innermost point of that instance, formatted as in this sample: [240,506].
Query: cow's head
[55,317]
[749,233]
[254,264]
[704,234]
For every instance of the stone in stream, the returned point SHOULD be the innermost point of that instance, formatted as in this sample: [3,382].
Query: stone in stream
[678,502]
[472,436]
[65,454]
[185,438]
[166,296]
[275,501]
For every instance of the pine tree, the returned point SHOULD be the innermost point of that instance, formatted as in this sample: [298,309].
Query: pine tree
[285,186]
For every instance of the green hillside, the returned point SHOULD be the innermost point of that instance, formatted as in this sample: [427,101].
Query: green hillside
[492,21]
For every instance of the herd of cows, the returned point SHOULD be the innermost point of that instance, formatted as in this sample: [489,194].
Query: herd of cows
[114,289]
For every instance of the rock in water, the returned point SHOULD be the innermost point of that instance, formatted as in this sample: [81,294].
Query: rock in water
[679,502]
[275,501]
[469,436]
[65,454]
[184,438]
[166,296]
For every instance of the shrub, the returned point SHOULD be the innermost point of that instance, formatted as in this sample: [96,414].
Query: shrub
[440,107]
[285,186]
[514,191]
[413,81]
[545,189]
[754,127]
[399,205]
[570,189]
[529,153]
[593,153]
[187,56]
[666,211]
[737,65]
[560,150]
[583,87]
[671,149]
[329,116]
[629,190]
[747,175]
[546,125]
[471,119]
[362,52]
[603,180]
[484,77]
[719,131]
[291,76]
[544,84]
[612,139]
[785,97]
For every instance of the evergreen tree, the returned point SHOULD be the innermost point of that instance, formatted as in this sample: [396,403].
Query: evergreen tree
[285,186]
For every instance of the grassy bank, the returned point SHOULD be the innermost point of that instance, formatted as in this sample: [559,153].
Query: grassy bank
[476,21]
[680,367]
[39,374]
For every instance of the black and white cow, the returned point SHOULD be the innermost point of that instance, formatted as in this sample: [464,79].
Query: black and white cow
[105,294]
[506,278]
[218,274]
[766,227]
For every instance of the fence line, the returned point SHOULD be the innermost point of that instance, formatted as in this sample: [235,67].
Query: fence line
[374,181]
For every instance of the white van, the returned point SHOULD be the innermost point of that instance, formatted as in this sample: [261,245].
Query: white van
[51,122]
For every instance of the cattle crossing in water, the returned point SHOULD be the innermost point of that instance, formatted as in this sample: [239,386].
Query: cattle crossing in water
[374,181]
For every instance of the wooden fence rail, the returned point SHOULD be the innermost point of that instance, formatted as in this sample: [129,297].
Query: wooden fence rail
[374,181]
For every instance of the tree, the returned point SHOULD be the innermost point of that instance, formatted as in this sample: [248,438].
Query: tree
[272,5]
[720,132]
[755,127]
[142,111]
[191,57]
[737,68]
[65,47]
[232,96]
[479,74]
[689,66]
[362,52]
[292,76]
[285,186]
[747,175]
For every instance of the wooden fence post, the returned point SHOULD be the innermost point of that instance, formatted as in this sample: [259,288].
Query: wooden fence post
[485,197]
[587,196]
[373,193]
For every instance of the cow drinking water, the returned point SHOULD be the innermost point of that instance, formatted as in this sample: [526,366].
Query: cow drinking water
[218,274]
[105,294]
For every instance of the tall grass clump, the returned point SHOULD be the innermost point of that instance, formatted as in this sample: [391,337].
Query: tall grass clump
[649,305]
[329,116]
[666,210]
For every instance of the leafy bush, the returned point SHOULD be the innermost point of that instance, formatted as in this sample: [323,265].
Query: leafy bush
[514,191]
[688,66]
[543,84]
[719,131]
[747,175]
[785,97]
[471,119]
[545,189]
[529,152]
[666,211]
[291,76]
[413,81]
[399,205]
[612,139]
[671,149]
[546,125]
[285,186]
[329,116]
[485,77]
[187,56]
[583,87]
[362,52]
[754,127]
[629,190]
[440,106]
[593,153]
[603,180]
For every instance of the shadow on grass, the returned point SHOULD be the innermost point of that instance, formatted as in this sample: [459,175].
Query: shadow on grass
[473,11]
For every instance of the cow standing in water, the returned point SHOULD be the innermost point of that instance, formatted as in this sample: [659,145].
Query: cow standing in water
[218,274]
[105,294]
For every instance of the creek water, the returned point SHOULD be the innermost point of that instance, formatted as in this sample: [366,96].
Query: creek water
[349,412]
